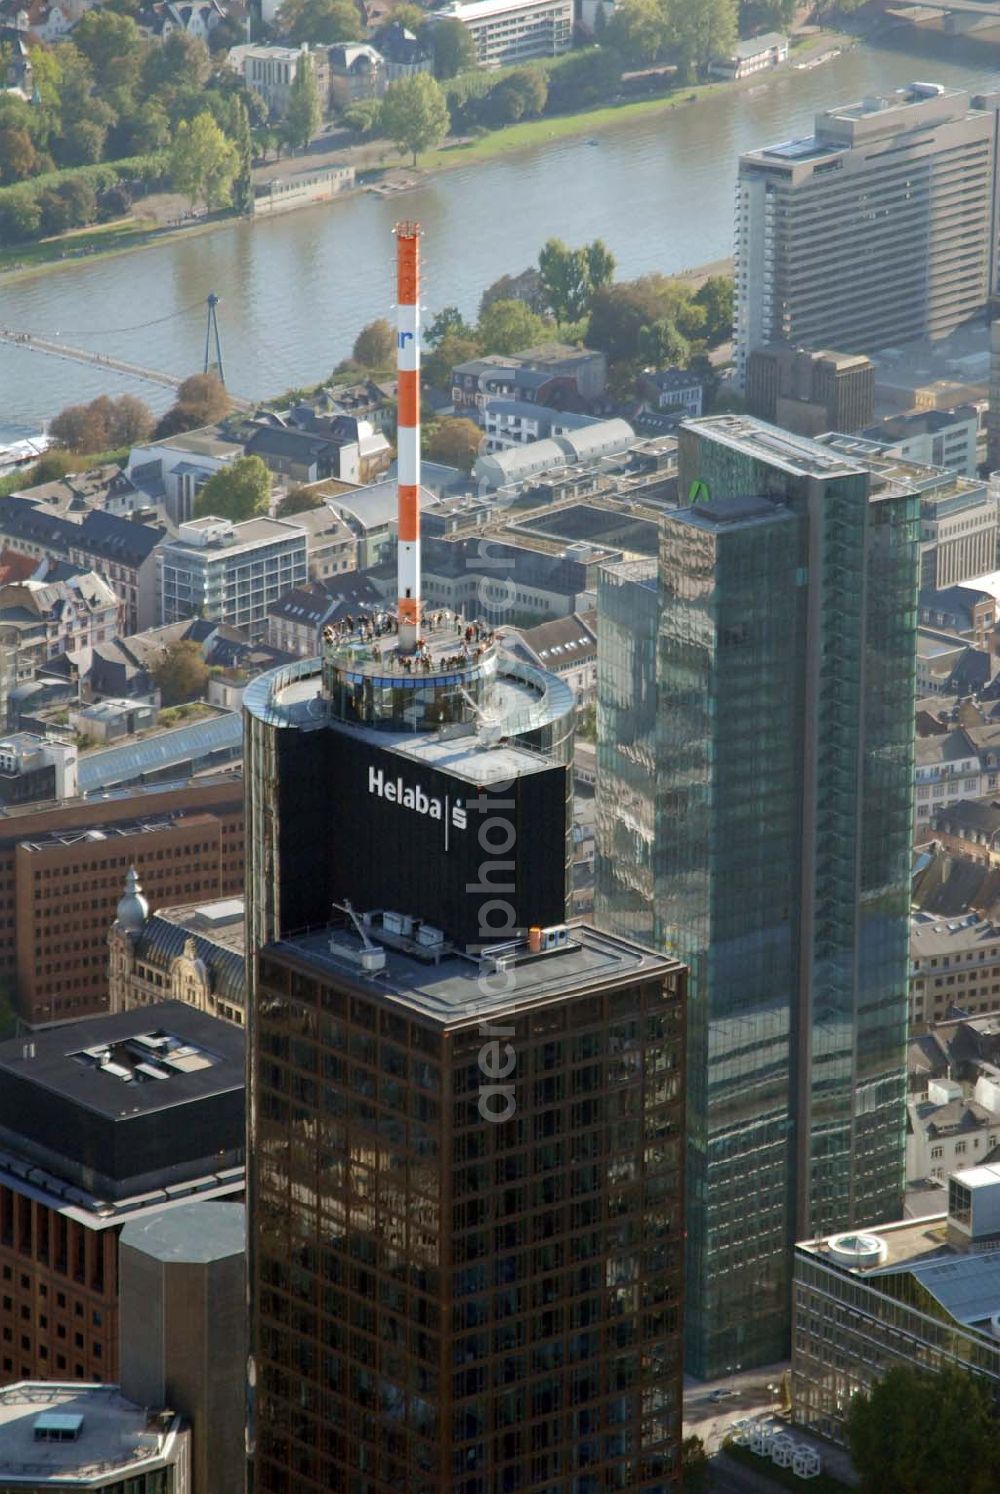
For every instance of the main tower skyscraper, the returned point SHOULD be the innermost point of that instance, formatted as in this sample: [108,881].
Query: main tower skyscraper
[465,1159]
[754,815]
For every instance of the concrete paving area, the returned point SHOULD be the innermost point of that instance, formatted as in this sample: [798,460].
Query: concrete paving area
[711,1408]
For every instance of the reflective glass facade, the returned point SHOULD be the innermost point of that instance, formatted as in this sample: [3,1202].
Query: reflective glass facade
[445,1304]
[850,1328]
[782,801]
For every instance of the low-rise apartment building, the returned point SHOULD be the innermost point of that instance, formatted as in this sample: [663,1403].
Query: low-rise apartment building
[60,617]
[331,546]
[566,647]
[272,70]
[971,827]
[231,572]
[949,1129]
[948,769]
[296,621]
[511,422]
[123,550]
[954,962]
[508,31]
[553,374]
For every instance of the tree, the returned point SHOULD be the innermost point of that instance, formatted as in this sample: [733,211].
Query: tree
[131,422]
[298,501]
[18,157]
[237,492]
[177,62]
[508,326]
[662,345]
[521,95]
[80,199]
[180,673]
[304,111]
[640,30]
[694,1465]
[147,130]
[455,443]
[240,135]
[453,48]
[450,351]
[701,30]
[571,276]
[923,1432]
[448,322]
[716,296]
[619,312]
[80,428]
[414,114]
[600,264]
[320,22]
[201,400]
[526,287]
[55,213]
[375,345]
[410,17]
[113,46]
[85,145]
[203,163]
[363,117]
[52,466]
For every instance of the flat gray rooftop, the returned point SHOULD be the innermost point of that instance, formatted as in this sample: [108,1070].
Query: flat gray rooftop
[116,1434]
[457,990]
[196,1233]
[755,438]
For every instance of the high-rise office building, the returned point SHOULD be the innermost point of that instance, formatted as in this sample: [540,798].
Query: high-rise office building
[774,845]
[875,230]
[466,1118]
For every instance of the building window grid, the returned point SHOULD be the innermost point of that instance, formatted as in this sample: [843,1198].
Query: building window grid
[371,1076]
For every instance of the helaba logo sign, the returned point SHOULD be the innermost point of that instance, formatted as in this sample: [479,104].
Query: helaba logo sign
[416,799]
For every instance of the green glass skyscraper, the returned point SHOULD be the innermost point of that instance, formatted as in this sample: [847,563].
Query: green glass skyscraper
[754,818]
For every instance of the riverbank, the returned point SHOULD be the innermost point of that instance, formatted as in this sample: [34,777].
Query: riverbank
[131,235]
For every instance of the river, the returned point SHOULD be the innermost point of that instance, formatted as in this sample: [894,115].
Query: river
[295,290]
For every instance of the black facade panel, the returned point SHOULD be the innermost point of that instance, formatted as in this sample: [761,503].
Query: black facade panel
[54,1121]
[370,826]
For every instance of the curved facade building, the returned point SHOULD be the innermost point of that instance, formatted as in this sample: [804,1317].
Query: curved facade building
[360,766]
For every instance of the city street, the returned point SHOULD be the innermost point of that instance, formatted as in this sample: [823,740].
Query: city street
[711,1406]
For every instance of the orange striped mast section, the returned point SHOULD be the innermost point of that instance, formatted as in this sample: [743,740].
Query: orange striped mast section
[408,432]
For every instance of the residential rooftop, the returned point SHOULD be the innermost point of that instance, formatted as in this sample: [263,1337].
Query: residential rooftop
[453,993]
[948,936]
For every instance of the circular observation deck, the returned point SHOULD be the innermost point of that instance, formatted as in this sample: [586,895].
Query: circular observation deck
[369,679]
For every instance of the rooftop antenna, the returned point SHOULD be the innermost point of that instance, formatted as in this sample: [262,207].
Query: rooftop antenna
[408,433]
[212,333]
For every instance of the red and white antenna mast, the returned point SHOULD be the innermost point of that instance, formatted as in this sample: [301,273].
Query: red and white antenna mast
[408,431]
